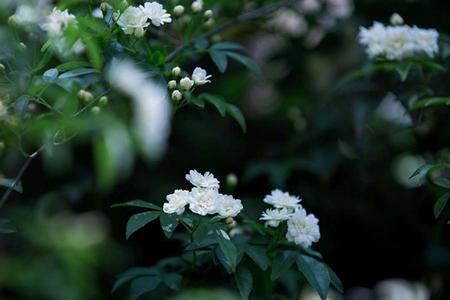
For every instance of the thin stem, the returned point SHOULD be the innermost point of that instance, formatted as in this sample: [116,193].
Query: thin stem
[19,176]
[248,16]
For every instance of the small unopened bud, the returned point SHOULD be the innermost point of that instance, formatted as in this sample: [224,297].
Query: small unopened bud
[232,180]
[178,10]
[210,22]
[232,225]
[216,38]
[396,19]
[96,110]
[2,146]
[103,101]
[176,71]
[12,20]
[172,84]
[85,96]
[116,16]
[229,220]
[2,67]
[23,45]
[139,32]
[186,83]
[209,14]
[32,106]
[197,6]
[176,95]
[104,7]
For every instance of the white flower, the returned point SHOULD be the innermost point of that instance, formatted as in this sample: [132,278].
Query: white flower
[281,199]
[399,42]
[274,217]
[133,21]
[396,19]
[207,180]
[200,76]
[186,83]
[203,201]
[197,6]
[303,229]
[426,41]
[156,13]
[227,206]
[27,15]
[176,202]
[374,39]
[57,22]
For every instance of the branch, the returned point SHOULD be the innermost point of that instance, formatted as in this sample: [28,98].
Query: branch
[248,16]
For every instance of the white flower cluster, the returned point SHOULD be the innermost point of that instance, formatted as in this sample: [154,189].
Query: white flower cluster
[134,20]
[398,41]
[203,199]
[57,21]
[302,229]
[199,77]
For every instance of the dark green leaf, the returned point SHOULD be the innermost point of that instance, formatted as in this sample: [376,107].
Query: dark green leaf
[77,72]
[247,62]
[131,274]
[172,280]
[72,65]
[143,285]
[227,46]
[236,114]
[442,182]
[6,227]
[316,273]
[220,59]
[217,102]
[169,223]
[403,70]
[258,255]
[48,53]
[440,204]
[281,264]
[244,281]
[137,203]
[138,221]
[430,102]
[335,281]
[9,183]
[228,250]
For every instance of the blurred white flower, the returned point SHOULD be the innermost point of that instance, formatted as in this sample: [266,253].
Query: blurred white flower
[156,13]
[203,201]
[274,217]
[289,22]
[186,83]
[200,76]
[404,166]
[197,6]
[133,21]
[57,22]
[391,110]
[303,229]
[27,15]
[227,206]
[97,13]
[339,9]
[398,42]
[399,289]
[206,181]
[176,202]
[151,105]
[309,6]
[281,199]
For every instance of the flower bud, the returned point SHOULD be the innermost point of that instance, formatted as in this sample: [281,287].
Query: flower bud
[210,22]
[23,45]
[186,83]
[96,110]
[172,84]
[396,19]
[176,95]
[2,146]
[229,220]
[178,10]
[12,20]
[85,96]
[232,180]
[103,101]
[197,6]
[104,7]
[176,71]
[116,16]
[209,14]
[2,67]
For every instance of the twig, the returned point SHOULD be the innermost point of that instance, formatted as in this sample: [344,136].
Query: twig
[19,176]
[248,16]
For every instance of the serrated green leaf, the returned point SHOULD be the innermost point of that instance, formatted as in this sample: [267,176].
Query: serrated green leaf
[143,285]
[441,203]
[281,264]
[138,221]
[137,203]
[220,59]
[258,255]
[244,282]
[169,223]
[316,273]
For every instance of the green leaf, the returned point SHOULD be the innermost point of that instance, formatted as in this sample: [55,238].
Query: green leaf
[77,72]
[229,251]
[220,59]
[169,223]
[131,274]
[236,114]
[440,204]
[316,273]
[424,170]
[403,70]
[9,183]
[72,65]
[335,281]
[48,54]
[244,282]
[172,280]
[94,51]
[258,255]
[430,102]
[281,264]
[220,105]
[50,74]
[6,227]
[138,221]
[143,285]
[442,182]
[137,203]
[244,60]
[227,46]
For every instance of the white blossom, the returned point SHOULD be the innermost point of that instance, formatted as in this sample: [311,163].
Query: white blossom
[178,10]
[57,22]
[206,181]
[281,199]
[203,201]
[200,76]
[177,95]
[274,217]
[156,13]
[186,83]
[197,6]
[27,15]
[176,71]
[227,206]
[396,19]
[303,229]
[426,41]
[176,202]
[133,21]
